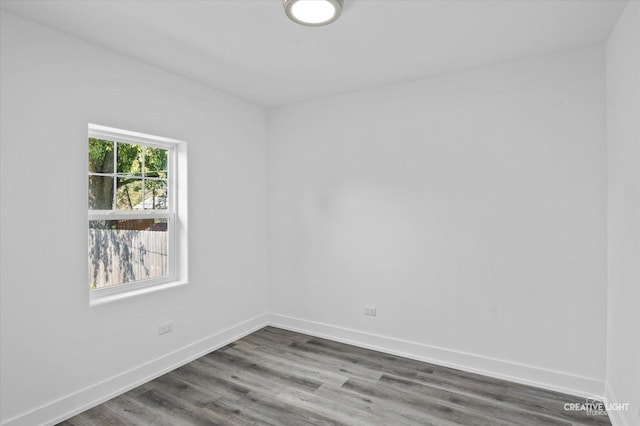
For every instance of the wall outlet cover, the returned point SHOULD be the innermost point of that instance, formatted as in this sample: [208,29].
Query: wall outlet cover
[370,310]
[165,328]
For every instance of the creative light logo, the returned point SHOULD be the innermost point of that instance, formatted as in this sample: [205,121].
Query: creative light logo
[596,406]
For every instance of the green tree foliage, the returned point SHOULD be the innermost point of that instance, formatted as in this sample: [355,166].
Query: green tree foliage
[135,164]
[101,157]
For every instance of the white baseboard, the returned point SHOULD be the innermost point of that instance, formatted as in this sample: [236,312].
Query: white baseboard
[526,374]
[616,417]
[72,404]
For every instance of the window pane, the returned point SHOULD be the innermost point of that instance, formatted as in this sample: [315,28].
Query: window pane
[100,192]
[129,159]
[155,194]
[100,156]
[155,162]
[129,194]
[122,251]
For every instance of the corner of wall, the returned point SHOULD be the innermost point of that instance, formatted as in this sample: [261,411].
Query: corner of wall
[501,369]
[83,399]
[622,51]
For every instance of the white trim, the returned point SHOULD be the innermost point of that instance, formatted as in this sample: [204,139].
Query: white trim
[127,136]
[63,408]
[100,296]
[558,381]
[617,417]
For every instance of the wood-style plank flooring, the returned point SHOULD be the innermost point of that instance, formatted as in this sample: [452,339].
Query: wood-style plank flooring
[277,377]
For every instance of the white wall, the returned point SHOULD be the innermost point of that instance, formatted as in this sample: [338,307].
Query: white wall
[53,344]
[623,155]
[468,208]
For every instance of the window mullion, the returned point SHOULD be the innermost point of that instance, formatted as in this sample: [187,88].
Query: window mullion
[115,175]
[144,196]
[129,214]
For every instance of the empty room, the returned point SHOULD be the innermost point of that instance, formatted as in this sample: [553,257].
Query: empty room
[320,212]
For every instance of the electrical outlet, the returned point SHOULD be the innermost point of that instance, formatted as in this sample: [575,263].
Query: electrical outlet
[165,328]
[370,310]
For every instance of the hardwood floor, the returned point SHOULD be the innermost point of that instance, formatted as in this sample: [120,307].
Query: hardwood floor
[277,377]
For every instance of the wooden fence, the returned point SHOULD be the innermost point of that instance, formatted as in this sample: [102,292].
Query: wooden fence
[122,256]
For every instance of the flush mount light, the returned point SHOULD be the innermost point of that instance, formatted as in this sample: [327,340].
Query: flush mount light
[313,13]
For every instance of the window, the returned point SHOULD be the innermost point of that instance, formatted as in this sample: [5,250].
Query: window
[132,204]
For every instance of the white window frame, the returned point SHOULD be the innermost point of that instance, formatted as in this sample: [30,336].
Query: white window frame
[175,213]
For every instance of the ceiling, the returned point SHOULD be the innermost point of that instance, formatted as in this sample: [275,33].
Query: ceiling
[249,47]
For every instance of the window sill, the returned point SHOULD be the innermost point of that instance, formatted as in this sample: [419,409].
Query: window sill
[97,299]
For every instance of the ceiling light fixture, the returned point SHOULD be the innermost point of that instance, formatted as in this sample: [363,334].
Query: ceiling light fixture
[313,13]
